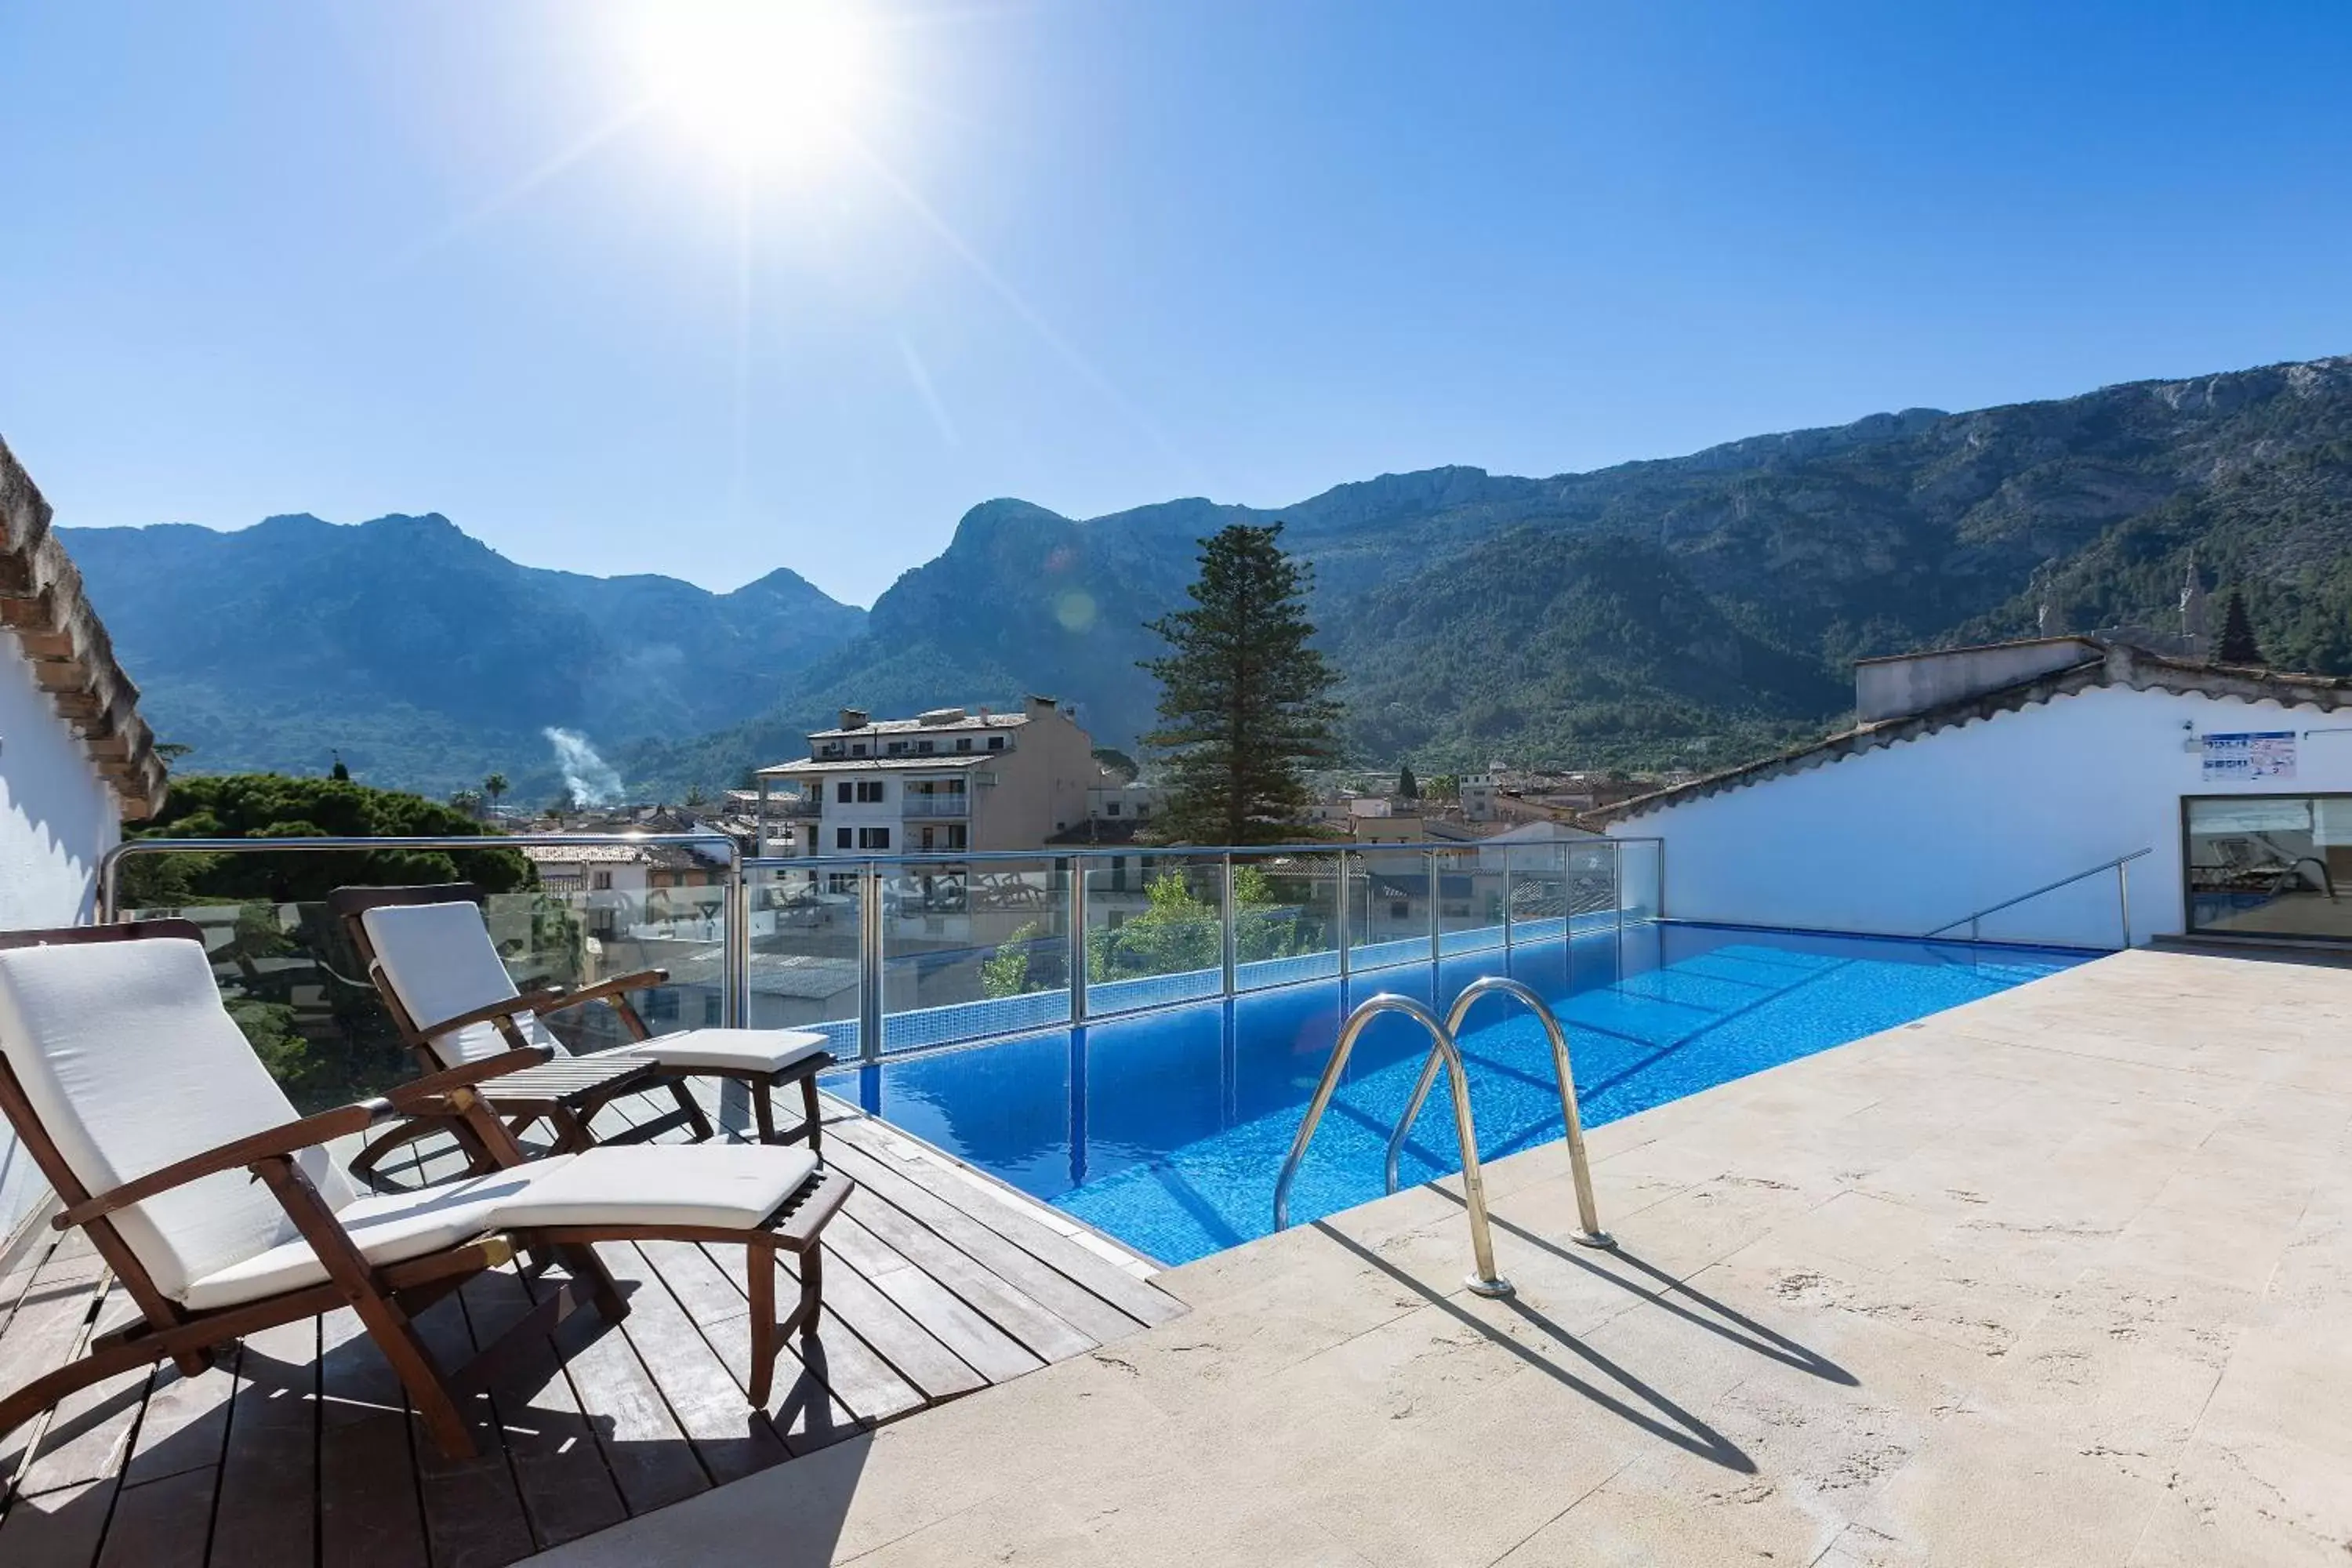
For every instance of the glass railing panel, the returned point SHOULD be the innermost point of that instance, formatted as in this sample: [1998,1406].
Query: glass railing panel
[1389,908]
[299,991]
[1537,891]
[1286,917]
[1155,928]
[973,948]
[1591,886]
[1640,876]
[1470,889]
[804,950]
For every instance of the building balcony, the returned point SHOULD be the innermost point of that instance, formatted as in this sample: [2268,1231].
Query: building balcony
[936,805]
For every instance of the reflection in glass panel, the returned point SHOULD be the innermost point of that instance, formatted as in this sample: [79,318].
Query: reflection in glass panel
[973,948]
[1155,928]
[2274,863]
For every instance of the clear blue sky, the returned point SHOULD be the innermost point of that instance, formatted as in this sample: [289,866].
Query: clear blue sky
[548,267]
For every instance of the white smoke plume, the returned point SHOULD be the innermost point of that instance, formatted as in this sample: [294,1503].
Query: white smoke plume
[589,777]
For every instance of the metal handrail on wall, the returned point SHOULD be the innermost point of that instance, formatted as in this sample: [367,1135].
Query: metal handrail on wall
[870,873]
[1484,1281]
[2120,866]
[1587,1212]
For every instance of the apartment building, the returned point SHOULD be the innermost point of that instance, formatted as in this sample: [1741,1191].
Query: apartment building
[945,781]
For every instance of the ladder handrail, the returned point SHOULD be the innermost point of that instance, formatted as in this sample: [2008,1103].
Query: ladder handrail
[1587,1212]
[1970,918]
[1486,1282]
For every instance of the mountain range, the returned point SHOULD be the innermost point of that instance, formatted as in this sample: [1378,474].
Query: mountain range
[1692,610]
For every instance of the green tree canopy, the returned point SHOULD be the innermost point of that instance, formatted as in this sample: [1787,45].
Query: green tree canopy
[272,806]
[1407,787]
[1244,700]
[2237,644]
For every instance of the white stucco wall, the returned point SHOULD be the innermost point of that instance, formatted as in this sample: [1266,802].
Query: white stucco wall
[1903,838]
[56,818]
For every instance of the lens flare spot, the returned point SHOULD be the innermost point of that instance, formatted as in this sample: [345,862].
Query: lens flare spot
[1075,611]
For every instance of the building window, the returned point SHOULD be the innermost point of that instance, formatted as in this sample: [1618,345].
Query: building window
[841,792]
[963,742]
[843,881]
[843,839]
[869,791]
[955,832]
[602,881]
[897,747]
[858,750]
[1110,808]
[996,742]
[1142,809]
[924,747]
[2273,865]
[710,1010]
[874,838]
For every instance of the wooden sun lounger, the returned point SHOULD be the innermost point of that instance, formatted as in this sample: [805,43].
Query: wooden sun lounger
[93,1101]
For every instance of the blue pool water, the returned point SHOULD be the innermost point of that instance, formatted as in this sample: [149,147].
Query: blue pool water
[1167,1130]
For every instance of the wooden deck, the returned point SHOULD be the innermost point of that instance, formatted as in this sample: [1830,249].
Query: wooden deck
[299,1450]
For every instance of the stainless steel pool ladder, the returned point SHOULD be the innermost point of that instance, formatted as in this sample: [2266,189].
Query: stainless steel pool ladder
[1587,1212]
[1484,1281]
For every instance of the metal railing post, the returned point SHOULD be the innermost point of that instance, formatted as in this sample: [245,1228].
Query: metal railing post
[1437,926]
[1077,874]
[1347,911]
[870,928]
[1617,886]
[737,1008]
[1229,956]
[2122,898]
[1506,901]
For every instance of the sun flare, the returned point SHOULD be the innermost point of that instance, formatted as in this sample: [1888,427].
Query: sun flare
[770,82]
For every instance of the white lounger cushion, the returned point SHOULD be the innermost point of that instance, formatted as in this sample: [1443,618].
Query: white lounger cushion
[758,1050]
[727,1186]
[441,962]
[132,1064]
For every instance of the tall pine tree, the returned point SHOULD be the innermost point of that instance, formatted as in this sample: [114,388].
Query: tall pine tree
[2237,645]
[1245,702]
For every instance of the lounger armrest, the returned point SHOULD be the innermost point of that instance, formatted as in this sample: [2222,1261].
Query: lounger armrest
[491,1012]
[619,984]
[409,1098]
[290,1138]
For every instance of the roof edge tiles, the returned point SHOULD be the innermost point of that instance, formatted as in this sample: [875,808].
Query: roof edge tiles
[2117,663]
[72,659]
[932,763]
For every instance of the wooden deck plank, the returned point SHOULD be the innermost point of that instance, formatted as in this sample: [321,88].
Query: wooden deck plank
[976,1342]
[370,1511]
[50,1321]
[1015,1312]
[864,1383]
[268,1480]
[473,1511]
[54,1532]
[804,1409]
[184,1424]
[1139,1299]
[163,1523]
[913,1352]
[650,1460]
[566,1488]
[1067,1300]
[731,1439]
[89,1432]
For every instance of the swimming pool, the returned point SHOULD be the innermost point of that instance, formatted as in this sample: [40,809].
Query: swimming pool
[1167,1130]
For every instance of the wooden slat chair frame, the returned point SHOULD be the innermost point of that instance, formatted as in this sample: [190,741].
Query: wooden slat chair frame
[386,1297]
[571,1116]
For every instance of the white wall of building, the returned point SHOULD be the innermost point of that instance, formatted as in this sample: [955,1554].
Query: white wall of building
[56,818]
[1903,838]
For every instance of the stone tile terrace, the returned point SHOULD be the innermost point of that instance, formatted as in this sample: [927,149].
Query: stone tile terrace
[2063,1277]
